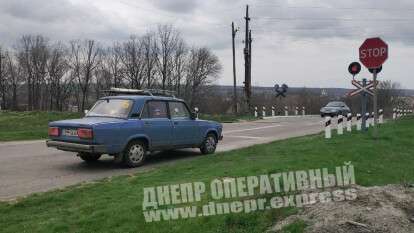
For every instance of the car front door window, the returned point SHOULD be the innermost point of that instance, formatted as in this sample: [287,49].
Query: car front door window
[178,110]
[185,129]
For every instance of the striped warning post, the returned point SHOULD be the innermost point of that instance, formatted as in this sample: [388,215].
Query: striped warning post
[349,122]
[328,127]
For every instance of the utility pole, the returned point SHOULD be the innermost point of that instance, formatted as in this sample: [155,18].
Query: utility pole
[250,61]
[247,80]
[233,35]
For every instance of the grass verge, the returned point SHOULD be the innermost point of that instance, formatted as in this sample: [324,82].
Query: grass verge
[33,125]
[28,125]
[115,205]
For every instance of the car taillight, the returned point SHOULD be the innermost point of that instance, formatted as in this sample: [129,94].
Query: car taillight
[53,131]
[85,133]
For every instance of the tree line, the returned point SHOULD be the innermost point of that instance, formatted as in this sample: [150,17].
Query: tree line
[37,74]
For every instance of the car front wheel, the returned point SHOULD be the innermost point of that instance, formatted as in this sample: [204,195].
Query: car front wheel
[209,144]
[135,154]
[89,157]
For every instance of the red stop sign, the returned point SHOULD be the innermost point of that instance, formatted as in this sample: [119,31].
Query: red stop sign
[373,52]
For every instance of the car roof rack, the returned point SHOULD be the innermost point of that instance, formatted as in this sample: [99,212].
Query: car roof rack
[149,92]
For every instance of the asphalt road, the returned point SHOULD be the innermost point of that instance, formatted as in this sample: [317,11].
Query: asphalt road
[29,167]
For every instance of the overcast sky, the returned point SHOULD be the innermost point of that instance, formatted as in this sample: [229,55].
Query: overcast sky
[300,43]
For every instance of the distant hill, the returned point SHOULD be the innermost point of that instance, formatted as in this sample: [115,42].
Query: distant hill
[338,92]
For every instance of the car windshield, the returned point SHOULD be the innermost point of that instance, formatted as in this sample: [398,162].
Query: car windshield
[335,104]
[111,108]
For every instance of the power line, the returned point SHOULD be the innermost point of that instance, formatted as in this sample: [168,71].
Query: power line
[329,19]
[336,8]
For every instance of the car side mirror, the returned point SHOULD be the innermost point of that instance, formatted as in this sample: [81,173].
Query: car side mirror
[193,115]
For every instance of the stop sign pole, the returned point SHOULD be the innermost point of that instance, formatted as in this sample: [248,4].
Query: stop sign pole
[372,54]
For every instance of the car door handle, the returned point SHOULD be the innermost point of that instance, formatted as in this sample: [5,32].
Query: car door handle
[147,123]
[175,123]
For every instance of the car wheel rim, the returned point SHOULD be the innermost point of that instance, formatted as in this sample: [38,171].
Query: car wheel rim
[210,144]
[136,153]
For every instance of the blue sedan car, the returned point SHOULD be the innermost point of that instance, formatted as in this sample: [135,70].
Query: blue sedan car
[129,127]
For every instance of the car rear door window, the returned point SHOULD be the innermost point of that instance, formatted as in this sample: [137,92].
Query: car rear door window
[155,109]
[178,110]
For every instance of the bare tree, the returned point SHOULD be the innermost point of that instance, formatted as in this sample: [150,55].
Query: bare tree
[150,53]
[14,78]
[133,62]
[33,54]
[85,58]
[3,79]
[203,68]
[113,63]
[168,38]
[388,93]
[58,67]
[179,64]
[103,76]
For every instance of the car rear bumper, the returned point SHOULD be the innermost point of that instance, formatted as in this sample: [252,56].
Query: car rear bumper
[76,147]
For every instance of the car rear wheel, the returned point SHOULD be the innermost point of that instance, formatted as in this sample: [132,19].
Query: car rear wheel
[135,154]
[209,144]
[89,157]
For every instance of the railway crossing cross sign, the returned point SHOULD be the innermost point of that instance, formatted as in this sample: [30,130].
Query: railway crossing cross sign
[281,90]
[361,88]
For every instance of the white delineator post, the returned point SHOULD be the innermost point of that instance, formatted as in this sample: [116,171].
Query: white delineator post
[303,110]
[367,120]
[340,125]
[255,112]
[264,111]
[381,116]
[349,122]
[394,113]
[296,111]
[286,111]
[359,122]
[328,127]
[273,111]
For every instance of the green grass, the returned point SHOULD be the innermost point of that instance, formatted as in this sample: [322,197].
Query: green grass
[115,205]
[33,125]
[28,125]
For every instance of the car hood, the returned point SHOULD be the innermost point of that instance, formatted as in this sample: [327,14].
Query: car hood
[86,121]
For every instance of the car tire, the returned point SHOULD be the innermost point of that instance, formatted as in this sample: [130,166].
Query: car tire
[89,157]
[209,144]
[135,154]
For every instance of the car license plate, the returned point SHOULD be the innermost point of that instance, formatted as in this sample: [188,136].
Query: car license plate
[70,132]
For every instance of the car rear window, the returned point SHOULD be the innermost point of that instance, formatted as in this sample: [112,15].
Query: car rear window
[111,108]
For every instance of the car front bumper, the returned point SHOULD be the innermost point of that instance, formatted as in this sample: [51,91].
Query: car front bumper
[76,147]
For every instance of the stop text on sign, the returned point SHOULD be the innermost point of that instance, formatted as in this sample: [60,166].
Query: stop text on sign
[373,52]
